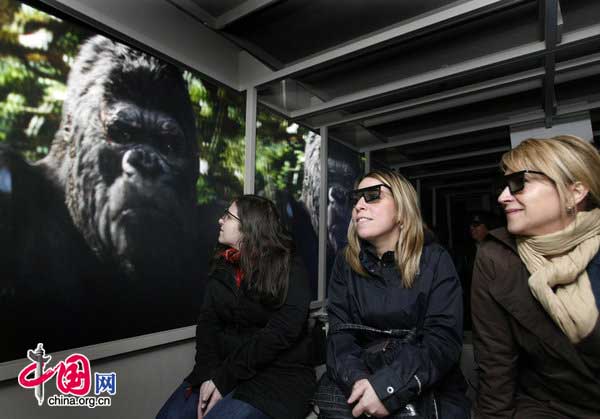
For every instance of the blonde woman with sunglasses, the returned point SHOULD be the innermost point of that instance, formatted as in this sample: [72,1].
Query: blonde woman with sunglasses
[536,287]
[395,314]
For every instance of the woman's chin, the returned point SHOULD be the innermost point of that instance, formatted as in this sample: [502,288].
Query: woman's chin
[515,228]
[366,236]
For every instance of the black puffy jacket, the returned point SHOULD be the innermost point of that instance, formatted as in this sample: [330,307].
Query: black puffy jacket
[433,306]
[261,353]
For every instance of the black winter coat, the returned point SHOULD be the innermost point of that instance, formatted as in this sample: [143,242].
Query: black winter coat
[259,353]
[433,306]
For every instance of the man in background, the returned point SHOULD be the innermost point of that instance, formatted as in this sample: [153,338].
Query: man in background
[479,225]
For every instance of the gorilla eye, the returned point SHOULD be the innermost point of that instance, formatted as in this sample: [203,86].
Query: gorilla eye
[170,144]
[120,134]
[125,136]
[170,139]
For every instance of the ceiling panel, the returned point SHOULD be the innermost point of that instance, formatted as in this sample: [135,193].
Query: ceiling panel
[444,48]
[449,89]
[294,29]
[218,7]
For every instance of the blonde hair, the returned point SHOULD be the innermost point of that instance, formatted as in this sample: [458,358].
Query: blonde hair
[410,243]
[565,159]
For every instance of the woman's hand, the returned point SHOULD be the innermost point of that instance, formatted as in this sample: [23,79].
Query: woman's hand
[209,396]
[367,401]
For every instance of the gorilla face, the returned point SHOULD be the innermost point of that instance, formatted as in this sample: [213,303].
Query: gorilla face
[338,215]
[141,199]
[341,178]
[131,163]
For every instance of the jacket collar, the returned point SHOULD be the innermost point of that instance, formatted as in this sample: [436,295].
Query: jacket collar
[225,272]
[502,235]
[372,263]
[369,259]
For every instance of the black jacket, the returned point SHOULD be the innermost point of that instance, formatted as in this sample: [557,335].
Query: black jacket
[433,306]
[260,353]
[527,366]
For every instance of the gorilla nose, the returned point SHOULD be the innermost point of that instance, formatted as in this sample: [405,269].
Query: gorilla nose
[140,161]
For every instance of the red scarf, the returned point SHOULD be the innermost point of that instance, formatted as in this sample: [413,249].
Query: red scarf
[232,256]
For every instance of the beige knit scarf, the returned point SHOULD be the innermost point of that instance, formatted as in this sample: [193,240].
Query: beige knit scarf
[561,283]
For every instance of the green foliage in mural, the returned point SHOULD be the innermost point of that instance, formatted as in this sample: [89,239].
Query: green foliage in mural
[36,52]
[279,156]
[220,133]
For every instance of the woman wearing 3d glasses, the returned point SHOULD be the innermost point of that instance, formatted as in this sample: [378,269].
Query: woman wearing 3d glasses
[395,314]
[252,353]
[536,287]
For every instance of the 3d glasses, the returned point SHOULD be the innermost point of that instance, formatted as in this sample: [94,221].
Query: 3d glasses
[370,194]
[516,181]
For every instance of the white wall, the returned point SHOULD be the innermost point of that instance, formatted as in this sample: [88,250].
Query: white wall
[578,125]
[145,379]
[161,26]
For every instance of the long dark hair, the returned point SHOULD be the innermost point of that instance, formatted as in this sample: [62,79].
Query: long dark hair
[265,248]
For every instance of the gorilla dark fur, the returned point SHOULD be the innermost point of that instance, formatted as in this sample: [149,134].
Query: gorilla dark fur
[105,222]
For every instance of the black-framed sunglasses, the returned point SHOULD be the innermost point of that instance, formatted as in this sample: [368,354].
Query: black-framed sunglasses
[370,193]
[516,181]
[227,215]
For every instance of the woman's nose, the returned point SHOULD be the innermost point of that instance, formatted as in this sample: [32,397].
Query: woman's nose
[361,203]
[505,195]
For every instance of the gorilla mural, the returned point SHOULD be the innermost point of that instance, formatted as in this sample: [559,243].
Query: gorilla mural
[342,174]
[311,183]
[97,240]
[343,169]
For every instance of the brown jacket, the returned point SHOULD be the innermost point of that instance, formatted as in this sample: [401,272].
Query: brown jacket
[527,366]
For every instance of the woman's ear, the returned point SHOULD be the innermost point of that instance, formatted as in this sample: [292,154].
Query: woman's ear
[578,193]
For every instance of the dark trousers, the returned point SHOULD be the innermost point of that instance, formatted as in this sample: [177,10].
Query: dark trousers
[184,405]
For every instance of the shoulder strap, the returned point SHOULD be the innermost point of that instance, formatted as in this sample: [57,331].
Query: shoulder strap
[405,334]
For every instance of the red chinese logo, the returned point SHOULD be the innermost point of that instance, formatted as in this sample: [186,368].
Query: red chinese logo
[73,375]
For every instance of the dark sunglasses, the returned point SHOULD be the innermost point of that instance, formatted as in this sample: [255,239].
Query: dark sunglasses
[371,193]
[227,215]
[516,181]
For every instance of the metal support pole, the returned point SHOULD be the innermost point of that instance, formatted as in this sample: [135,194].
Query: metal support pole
[250,157]
[434,207]
[367,161]
[551,38]
[449,221]
[323,216]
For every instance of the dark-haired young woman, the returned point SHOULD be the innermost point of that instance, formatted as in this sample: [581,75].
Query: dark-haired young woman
[252,355]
